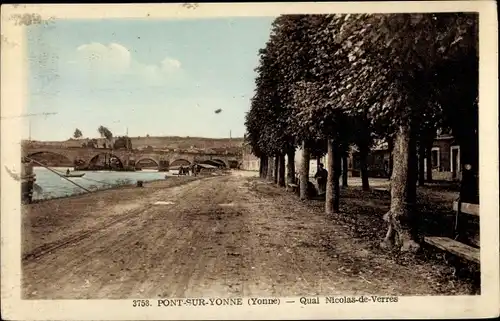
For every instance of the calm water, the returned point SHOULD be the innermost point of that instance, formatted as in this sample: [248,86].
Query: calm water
[56,186]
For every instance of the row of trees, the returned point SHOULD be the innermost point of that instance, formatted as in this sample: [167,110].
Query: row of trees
[103,131]
[326,82]
[121,142]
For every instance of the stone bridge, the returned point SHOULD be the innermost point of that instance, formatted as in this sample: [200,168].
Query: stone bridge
[85,155]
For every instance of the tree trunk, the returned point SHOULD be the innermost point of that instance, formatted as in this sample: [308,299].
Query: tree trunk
[266,166]
[329,182]
[332,200]
[403,194]
[469,159]
[337,172]
[421,163]
[429,162]
[412,171]
[276,168]
[304,171]
[345,170]
[281,170]
[291,166]
[363,150]
[263,166]
[391,156]
[270,169]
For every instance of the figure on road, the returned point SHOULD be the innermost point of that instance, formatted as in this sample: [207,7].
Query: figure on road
[321,176]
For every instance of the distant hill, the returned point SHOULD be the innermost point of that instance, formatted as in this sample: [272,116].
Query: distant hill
[160,142]
[185,142]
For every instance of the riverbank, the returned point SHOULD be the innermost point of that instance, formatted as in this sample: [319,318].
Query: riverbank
[98,190]
[52,186]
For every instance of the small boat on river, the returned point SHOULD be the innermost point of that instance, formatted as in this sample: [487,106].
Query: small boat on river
[69,174]
[74,175]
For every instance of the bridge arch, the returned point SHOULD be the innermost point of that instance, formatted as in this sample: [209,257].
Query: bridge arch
[233,164]
[106,155]
[147,158]
[180,162]
[222,162]
[215,162]
[35,156]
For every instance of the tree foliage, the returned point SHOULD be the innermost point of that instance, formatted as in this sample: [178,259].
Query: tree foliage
[122,142]
[77,134]
[105,132]
[90,143]
[382,67]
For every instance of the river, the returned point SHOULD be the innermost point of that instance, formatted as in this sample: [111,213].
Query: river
[53,185]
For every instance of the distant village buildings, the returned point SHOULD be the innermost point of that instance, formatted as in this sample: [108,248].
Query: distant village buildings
[445,156]
[249,161]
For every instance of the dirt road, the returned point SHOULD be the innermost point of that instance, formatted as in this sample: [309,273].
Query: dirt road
[219,236]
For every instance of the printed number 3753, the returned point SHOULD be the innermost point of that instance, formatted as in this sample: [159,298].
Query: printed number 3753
[140,303]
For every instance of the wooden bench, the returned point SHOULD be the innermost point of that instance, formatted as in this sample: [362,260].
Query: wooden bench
[457,248]
[293,187]
[467,208]
[472,211]
[452,245]
[381,189]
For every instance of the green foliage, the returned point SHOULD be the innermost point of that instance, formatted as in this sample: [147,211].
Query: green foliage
[77,134]
[122,142]
[457,95]
[266,124]
[402,53]
[92,143]
[353,78]
[105,132]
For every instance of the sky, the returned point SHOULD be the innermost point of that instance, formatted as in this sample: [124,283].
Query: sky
[156,77]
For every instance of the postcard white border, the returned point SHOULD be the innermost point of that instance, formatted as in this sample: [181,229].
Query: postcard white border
[13,96]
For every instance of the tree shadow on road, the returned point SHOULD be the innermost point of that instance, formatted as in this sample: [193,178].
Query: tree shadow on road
[361,213]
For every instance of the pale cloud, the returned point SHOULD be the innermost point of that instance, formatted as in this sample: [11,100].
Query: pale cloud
[116,59]
[169,64]
[149,73]
[113,57]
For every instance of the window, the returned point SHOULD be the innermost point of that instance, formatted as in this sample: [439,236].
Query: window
[435,157]
[455,159]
